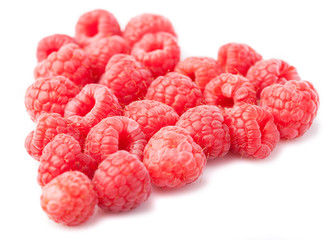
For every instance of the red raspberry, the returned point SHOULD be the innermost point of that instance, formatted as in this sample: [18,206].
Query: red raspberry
[294,106]
[237,58]
[228,89]
[63,154]
[172,158]
[48,126]
[70,61]
[138,26]
[159,52]
[49,95]
[151,115]
[113,134]
[121,182]
[101,50]
[205,125]
[199,69]
[175,90]
[51,44]
[69,199]
[94,25]
[127,78]
[94,103]
[267,72]
[253,132]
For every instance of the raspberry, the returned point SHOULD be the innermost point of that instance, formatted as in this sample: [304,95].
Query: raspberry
[172,158]
[49,95]
[69,199]
[48,126]
[94,25]
[199,69]
[159,52]
[175,90]
[140,25]
[51,44]
[69,61]
[151,115]
[121,182]
[94,103]
[253,132]
[63,154]
[113,134]
[227,89]
[267,72]
[205,125]
[294,106]
[101,50]
[128,78]
[237,58]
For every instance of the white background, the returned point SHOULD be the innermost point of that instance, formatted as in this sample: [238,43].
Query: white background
[285,196]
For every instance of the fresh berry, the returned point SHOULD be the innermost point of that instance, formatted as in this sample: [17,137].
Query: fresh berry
[140,25]
[267,72]
[227,89]
[159,52]
[294,106]
[69,61]
[205,125]
[172,158]
[48,126]
[200,69]
[121,182]
[175,90]
[253,132]
[50,94]
[127,78]
[63,154]
[113,134]
[101,50]
[69,199]
[51,44]
[94,25]
[151,115]
[237,58]
[94,103]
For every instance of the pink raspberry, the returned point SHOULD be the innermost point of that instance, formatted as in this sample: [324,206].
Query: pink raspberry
[228,89]
[237,58]
[175,90]
[205,125]
[49,95]
[151,115]
[172,158]
[294,106]
[200,69]
[142,24]
[48,126]
[101,50]
[121,182]
[69,198]
[63,154]
[94,25]
[94,103]
[69,61]
[253,132]
[51,44]
[127,78]
[267,72]
[113,134]
[159,52]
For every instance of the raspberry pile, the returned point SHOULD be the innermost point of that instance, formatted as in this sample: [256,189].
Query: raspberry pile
[117,112]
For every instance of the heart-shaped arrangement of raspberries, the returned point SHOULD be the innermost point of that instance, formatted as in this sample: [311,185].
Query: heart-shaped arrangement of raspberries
[117,112]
